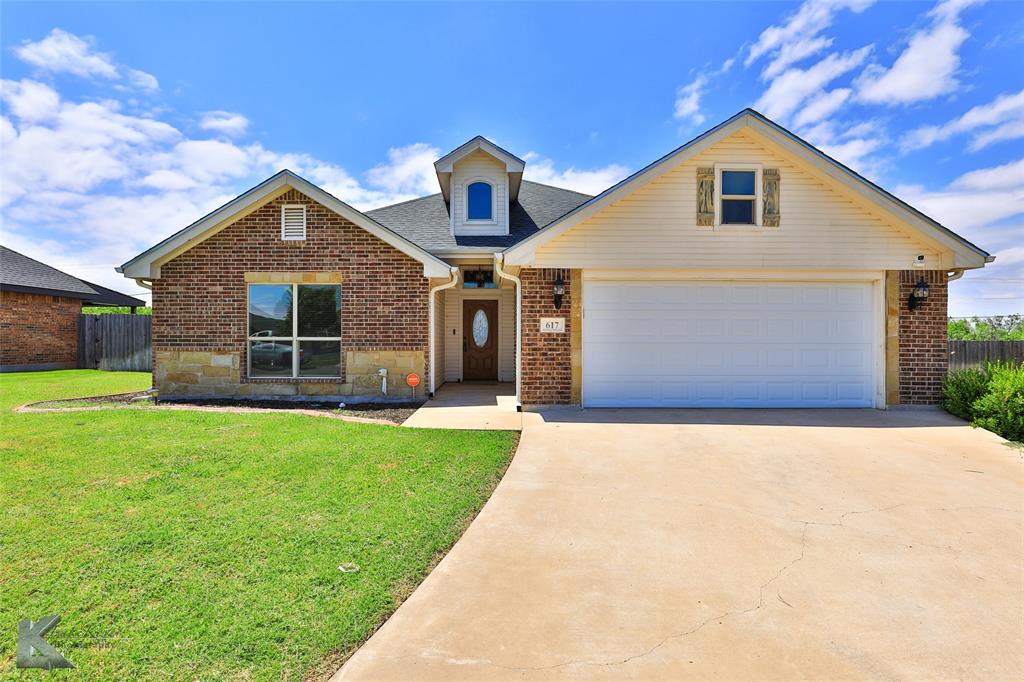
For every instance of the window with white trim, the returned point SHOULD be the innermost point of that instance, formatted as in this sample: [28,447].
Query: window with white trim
[480,201]
[293,222]
[739,195]
[289,340]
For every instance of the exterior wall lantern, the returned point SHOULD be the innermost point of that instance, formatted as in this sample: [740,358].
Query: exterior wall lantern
[918,296]
[558,291]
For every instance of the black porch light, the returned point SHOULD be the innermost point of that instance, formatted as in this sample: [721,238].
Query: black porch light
[558,290]
[918,296]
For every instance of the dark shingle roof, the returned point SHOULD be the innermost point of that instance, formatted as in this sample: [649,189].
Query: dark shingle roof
[18,272]
[424,221]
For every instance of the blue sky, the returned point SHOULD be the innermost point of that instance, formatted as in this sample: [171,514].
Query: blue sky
[123,123]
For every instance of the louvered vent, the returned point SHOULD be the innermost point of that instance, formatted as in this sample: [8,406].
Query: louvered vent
[293,222]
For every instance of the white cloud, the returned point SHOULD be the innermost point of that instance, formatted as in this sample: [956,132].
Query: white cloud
[790,89]
[409,170]
[797,38]
[821,106]
[687,105]
[1007,176]
[226,122]
[592,181]
[1000,119]
[927,67]
[63,52]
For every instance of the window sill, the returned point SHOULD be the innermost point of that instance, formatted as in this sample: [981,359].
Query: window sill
[293,380]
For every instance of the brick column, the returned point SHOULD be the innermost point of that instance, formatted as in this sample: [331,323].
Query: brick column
[923,339]
[546,357]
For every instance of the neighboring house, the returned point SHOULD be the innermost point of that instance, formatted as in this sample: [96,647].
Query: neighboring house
[39,309]
[745,268]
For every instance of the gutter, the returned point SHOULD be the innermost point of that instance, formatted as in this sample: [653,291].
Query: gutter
[498,259]
[432,325]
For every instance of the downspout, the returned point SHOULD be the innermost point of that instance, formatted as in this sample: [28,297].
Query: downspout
[431,343]
[498,258]
[954,275]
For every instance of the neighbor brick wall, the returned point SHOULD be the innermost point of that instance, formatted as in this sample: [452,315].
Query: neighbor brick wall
[38,329]
[923,339]
[199,301]
[547,360]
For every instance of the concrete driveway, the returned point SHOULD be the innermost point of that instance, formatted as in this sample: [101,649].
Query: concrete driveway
[729,544]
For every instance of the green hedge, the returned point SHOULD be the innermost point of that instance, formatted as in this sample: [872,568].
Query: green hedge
[992,398]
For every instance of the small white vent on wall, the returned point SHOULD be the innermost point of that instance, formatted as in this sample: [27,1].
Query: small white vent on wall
[293,222]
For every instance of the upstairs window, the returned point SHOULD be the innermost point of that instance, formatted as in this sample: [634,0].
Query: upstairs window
[739,197]
[293,222]
[480,201]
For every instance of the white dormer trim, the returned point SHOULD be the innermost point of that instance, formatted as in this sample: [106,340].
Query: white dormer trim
[514,166]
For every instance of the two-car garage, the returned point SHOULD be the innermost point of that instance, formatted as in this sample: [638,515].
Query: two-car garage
[729,343]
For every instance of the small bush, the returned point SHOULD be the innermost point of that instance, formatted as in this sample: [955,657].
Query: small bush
[1001,409]
[992,398]
[961,388]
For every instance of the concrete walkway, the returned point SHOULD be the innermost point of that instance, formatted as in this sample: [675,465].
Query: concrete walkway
[474,406]
[652,545]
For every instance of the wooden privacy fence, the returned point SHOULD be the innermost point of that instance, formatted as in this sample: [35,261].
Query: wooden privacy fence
[115,342]
[976,353]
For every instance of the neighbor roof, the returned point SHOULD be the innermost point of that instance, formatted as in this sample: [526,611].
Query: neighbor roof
[973,256]
[18,272]
[425,221]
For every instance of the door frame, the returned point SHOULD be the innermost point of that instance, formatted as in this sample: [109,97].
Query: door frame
[480,295]
[874,277]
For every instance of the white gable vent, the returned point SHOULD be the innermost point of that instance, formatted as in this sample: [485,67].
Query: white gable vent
[293,222]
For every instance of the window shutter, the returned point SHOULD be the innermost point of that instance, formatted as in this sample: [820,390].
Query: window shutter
[706,197]
[293,222]
[770,216]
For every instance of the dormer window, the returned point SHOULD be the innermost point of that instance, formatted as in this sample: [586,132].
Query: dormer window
[739,198]
[480,201]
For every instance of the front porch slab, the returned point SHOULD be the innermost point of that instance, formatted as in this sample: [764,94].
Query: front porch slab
[470,406]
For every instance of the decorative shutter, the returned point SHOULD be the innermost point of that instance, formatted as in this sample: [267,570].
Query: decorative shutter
[706,197]
[293,222]
[770,216]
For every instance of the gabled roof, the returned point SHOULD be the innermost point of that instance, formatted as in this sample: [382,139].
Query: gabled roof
[18,272]
[513,165]
[425,221]
[968,255]
[147,264]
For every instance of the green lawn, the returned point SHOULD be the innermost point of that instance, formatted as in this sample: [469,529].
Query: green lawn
[188,545]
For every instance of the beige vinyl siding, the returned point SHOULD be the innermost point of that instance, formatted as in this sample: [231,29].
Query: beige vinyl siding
[655,226]
[439,361]
[452,331]
[480,165]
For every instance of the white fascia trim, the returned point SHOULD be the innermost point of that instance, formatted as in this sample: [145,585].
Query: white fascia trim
[513,164]
[967,254]
[147,263]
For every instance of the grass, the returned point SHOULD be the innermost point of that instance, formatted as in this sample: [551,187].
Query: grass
[195,545]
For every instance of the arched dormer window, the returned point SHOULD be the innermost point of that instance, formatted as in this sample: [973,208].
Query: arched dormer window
[480,201]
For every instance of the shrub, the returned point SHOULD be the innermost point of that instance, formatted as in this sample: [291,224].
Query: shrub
[961,388]
[992,398]
[1001,408]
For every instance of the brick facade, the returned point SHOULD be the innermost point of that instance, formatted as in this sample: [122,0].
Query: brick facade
[923,339]
[37,329]
[547,366]
[199,301]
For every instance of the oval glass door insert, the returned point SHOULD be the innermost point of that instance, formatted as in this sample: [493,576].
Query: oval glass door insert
[481,328]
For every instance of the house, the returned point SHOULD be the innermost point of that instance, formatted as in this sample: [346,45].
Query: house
[744,269]
[39,309]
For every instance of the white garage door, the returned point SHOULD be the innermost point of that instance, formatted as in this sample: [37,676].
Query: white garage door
[728,344]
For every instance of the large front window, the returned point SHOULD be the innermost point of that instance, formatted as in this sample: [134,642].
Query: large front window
[294,330]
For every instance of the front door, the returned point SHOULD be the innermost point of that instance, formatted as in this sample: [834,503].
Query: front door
[479,340]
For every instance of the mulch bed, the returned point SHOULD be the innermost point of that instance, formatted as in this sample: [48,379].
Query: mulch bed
[396,413]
